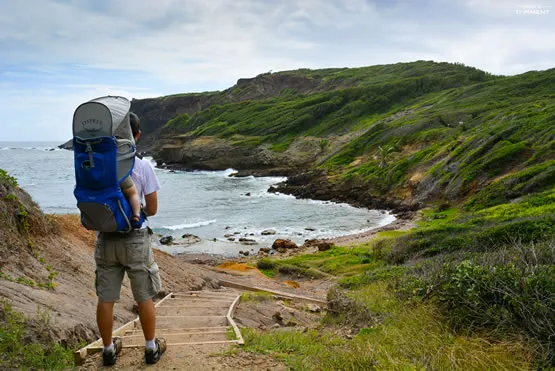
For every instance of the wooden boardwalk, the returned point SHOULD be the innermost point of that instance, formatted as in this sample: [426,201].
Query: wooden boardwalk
[183,318]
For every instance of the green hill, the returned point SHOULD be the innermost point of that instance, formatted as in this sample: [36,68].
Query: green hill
[421,131]
[473,152]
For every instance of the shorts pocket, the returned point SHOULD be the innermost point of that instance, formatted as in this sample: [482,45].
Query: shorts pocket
[154,276]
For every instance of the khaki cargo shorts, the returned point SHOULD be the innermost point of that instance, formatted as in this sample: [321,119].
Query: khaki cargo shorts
[117,253]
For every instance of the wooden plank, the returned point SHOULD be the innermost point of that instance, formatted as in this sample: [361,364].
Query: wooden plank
[186,328]
[278,294]
[163,300]
[193,293]
[99,349]
[230,321]
[189,316]
[194,306]
[178,333]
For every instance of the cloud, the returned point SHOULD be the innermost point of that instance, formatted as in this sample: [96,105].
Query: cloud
[62,52]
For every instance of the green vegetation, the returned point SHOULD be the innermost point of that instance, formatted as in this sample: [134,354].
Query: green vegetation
[433,131]
[396,337]
[471,287]
[4,176]
[24,343]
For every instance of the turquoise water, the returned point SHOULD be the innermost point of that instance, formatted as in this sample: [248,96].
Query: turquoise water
[206,204]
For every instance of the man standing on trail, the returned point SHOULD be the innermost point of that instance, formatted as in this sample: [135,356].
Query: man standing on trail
[117,253]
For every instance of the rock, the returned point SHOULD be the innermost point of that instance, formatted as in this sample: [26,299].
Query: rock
[277,316]
[236,232]
[246,253]
[228,227]
[247,241]
[321,245]
[324,246]
[227,235]
[310,229]
[268,232]
[280,244]
[275,326]
[272,189]
[314,308]
[248,194]
[241,252]
[265,249]
[231,239]
[168,240]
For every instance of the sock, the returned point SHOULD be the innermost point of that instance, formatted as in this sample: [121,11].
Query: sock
[150,344]
[109,348]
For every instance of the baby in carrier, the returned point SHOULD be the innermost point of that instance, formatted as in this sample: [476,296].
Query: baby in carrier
[130,191]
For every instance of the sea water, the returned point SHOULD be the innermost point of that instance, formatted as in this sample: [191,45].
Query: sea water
[208,204]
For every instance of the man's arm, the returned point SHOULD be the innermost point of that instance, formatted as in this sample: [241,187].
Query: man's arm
[151,203]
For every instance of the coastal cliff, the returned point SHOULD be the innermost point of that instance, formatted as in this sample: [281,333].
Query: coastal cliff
[407,134]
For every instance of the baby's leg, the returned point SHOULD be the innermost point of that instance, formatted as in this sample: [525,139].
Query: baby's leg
[130,192]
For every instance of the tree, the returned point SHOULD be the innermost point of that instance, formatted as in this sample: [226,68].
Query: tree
[384,154]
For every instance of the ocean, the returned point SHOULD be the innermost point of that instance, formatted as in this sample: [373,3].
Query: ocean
[209,204]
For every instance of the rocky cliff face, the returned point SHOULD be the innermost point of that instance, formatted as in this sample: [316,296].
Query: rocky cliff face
[211,153]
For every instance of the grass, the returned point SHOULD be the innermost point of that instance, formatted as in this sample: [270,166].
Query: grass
[464,289]
[407,338]
[19,350]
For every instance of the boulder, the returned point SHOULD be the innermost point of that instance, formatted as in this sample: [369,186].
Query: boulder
[280,244]
[247,241]
[168,240]
[268,232]
[314,308]
[321,245]
[265,249]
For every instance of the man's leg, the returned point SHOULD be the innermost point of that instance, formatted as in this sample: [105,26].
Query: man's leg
[147,315]
[105,320]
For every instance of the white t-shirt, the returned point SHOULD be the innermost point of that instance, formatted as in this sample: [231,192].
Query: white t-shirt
[144,178]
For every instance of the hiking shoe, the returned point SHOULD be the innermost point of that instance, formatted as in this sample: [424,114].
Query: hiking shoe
[109,358]
[153,355]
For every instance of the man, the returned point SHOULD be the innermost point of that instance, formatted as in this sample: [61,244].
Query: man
[117,253]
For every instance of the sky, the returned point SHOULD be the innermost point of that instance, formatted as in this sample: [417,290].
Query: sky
[56,54]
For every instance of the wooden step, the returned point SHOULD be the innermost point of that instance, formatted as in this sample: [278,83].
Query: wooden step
[189,321]
[96,349]
[191,311]
[178,338]
[204,295]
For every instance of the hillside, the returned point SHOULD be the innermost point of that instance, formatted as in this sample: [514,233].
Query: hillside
[471,156]
[410,132]
[47,275]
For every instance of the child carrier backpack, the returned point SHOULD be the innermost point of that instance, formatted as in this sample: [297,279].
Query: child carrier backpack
[104,155]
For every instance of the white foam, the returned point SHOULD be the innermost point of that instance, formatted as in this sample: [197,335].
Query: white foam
[187,226]
[150,159]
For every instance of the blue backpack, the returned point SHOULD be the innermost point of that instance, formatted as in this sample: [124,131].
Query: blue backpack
[104,155]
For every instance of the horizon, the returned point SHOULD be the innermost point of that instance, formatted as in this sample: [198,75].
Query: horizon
[56,55]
